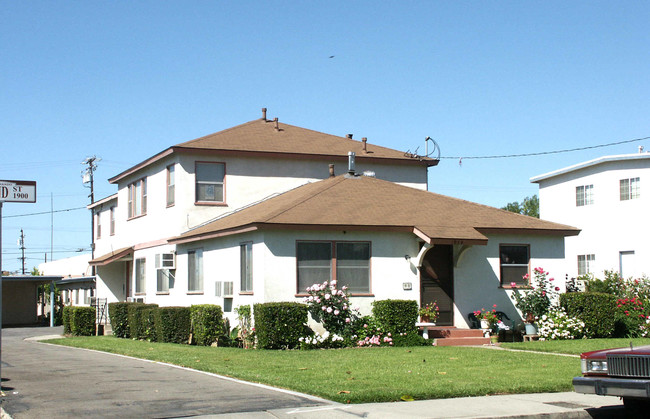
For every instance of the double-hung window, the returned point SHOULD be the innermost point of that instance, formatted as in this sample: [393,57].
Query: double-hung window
[584,263]
[171,185]
[346,262]
[112,221]
[246,269]
[210,182]
[514,261]
[630,189]
[584,195]
[138,198]
[98,223]
[140,278]
[195,271]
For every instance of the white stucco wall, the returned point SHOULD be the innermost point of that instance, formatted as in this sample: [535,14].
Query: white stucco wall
[609,226]
[73,266]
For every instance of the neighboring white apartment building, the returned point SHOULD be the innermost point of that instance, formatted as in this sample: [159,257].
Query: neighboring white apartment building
[257,212]
[605,198]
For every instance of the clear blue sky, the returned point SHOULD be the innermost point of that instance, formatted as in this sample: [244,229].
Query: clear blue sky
[124,80]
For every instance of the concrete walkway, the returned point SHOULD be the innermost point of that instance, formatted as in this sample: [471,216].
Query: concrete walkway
[43,380]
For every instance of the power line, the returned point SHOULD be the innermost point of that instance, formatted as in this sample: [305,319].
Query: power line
[44,212]
[545,152]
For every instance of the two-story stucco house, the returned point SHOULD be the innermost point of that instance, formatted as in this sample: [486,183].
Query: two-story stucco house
[260,211]
[604,198]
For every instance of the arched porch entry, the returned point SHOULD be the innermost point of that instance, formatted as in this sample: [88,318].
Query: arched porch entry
[437,280]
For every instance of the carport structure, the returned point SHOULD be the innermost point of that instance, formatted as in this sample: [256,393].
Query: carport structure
[20,299]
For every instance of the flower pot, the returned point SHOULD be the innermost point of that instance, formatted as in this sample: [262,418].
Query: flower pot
[485,324]
[531,328]
[425,319]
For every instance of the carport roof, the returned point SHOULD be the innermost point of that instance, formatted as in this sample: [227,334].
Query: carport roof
[111,257]
[31,278]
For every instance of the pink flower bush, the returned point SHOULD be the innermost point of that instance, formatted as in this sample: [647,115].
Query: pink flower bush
[330,306]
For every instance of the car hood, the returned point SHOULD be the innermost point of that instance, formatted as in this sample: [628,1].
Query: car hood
[639,350]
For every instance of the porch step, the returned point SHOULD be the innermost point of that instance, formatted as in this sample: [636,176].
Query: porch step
[452,336]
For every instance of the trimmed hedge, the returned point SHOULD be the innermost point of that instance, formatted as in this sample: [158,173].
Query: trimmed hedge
[596,310]
[172,324]
[82,321]
[207,324]
[396,316]
[119,316]
[67,329]
[280,325]
[141,321]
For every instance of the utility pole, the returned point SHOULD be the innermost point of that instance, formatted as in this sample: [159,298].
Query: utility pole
[87,176]
[21,243]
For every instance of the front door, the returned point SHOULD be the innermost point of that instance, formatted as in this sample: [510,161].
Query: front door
[437,282]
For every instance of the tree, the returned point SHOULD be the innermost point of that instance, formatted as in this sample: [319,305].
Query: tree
[529,206]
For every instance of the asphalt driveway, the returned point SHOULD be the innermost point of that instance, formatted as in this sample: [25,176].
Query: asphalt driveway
[41,380]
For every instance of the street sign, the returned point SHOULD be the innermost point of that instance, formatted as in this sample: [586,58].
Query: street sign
[17,191]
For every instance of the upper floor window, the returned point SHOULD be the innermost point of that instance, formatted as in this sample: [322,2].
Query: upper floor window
[346,262]
[246,269]
[630,189]
[138,198]
[195,270]
[98,225]
[514,261]
[584,195]
[112,221]
[171,185]
[210,182]
[584,263]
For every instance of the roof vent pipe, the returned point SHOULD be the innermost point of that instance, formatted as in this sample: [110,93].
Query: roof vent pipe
[640,149]
[277,125]
[332,170]
[351,156]
[264,114]
[349,136]
[365,144]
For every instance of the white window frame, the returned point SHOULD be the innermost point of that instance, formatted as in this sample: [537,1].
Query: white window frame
[98,225]
[246,267]
[584,195]
[215,183]
[630,188]
[506,263]
[112,221]
[585,263]
[171,185]
[195,279]
[137,198]
[140,276]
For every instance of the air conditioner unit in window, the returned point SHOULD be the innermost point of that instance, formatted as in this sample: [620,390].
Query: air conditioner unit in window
[228,289]
[166,260]
[218,288]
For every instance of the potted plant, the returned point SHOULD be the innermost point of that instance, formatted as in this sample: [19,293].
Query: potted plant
[429,313]
[536,301]
[488,318]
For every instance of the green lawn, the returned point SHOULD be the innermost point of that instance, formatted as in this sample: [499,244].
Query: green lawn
[575,347]
[359,375]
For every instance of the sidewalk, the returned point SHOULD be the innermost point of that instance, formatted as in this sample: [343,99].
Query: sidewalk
[541,405]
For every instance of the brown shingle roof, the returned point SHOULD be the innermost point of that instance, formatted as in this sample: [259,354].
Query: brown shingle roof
[369,203]
[260,137]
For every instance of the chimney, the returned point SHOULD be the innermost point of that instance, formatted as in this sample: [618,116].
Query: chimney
[264,114]
[351,169]
[332,170]
[277,125]
[365,144]
[349,136]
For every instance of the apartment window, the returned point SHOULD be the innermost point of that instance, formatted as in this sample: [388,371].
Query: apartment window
[140,270]
[630,189]
[98,225]
[138,198]
[210,182]
[195,270]
[171,185]
[584,195]
[584,263]
[346,262]
[246,269]
[515,266]
[112,222]
[164,277]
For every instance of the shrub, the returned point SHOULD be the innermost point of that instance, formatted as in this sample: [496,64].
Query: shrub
[82,321]
[537,301]
[331,307]
[244,333]
[396,316]
[141,321]
[67,310]
[596,310]
[207,324]
[118,313]
[367,332]
[556,324]
[172,324]
[630,318]
[280,325]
